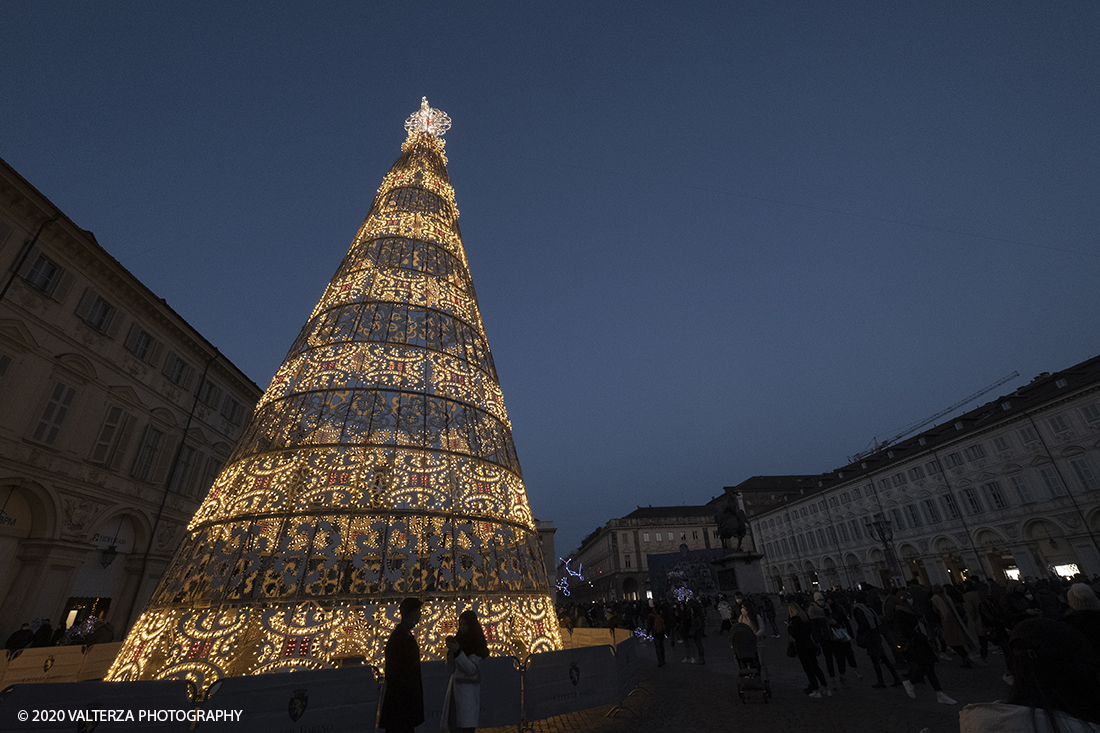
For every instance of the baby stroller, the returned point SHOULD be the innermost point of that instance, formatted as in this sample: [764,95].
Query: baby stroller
[749,680]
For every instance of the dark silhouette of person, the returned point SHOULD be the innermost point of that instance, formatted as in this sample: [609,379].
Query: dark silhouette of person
[44,635]
[20,639]
[403,695]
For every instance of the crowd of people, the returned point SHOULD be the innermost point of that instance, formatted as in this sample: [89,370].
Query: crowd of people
[1047,631]
[42,633]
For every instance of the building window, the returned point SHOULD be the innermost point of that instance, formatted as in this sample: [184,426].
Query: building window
[1020,486]
[953,460]
[912,515]
[1052,481]
[625,537]
[113,436]
[844,532]
[899,479]
[834,501]
[950,507]
[855,492]
[971,502]
[100,313]
[996,496]
[1000,443]
[898,521]
[786,546]
[626,561]
[930,512]
[802,512]
[813,509]
[178,371]
[845,497]
[1058,424]
[884,484]
[232,410]
[802,542]
[1085,476]
[832,535]
[53,415]
[147,453]
[1028,434]
[715,534]
[852,525]
[44,274]
[813,541]
[658,536]
[209,393]
[933,467]
[1091,413]
[916,473]
[182,482]
[645,536]
[974,452]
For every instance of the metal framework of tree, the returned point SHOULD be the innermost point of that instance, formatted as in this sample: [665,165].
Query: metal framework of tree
[379,464]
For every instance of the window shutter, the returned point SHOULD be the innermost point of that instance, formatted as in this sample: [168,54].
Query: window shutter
[114,322]
[188,377]
[123,442]
[29,262]
[85,305]
[64,285]
[163,460]
[155,353]
[132,336]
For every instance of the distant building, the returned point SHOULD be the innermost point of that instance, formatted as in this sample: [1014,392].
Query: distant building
[115,417]
[1009,489]
[614,558]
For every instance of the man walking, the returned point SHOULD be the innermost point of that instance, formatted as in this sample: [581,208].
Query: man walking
[403,694]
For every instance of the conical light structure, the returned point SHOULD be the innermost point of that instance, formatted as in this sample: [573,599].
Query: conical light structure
[378,465]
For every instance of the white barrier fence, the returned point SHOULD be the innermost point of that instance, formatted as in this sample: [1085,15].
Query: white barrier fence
[549,684]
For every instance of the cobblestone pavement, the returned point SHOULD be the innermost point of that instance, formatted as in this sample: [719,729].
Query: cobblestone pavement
[688,698]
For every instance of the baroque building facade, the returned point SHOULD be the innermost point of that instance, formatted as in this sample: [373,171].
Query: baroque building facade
[1010,489]
[614,559]
[115,417]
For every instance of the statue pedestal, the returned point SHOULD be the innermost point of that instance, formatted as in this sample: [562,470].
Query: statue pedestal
[740,571]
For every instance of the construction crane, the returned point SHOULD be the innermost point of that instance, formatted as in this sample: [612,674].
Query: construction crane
[921,423]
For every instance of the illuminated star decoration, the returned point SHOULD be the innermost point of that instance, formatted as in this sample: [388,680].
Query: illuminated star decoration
[427,119]
[683,594]
[563,584]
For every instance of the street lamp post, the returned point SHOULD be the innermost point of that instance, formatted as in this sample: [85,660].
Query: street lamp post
[881,531]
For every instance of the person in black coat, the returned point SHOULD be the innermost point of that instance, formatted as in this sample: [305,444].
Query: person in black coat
[403,696]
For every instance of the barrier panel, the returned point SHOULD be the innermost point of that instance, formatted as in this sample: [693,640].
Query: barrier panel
[435,677]
[562,682]
[44,664]
[626,666]
[98,660]
[324,699]
[159,706]
[588,637]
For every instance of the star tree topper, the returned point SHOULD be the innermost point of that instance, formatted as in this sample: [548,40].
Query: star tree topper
[427,119]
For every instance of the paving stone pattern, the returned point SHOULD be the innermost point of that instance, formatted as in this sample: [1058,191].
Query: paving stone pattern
[688,698]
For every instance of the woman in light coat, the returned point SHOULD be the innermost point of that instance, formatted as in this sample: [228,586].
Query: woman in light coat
[465,652]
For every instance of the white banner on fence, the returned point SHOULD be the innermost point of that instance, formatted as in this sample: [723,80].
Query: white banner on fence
[98,660]
[570,680]
[325,699]
[590,637]
[44,664]
[160,706]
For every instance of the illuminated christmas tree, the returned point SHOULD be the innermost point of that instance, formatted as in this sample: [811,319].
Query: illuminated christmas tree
[378,465]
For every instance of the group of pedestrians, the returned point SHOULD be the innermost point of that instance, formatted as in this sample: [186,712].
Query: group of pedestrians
[1048,632]
[402,708]
[42,633]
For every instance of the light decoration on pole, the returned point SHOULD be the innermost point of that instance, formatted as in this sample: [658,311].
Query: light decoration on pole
[378,464]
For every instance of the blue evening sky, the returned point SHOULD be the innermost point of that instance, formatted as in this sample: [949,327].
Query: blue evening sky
[710,240]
